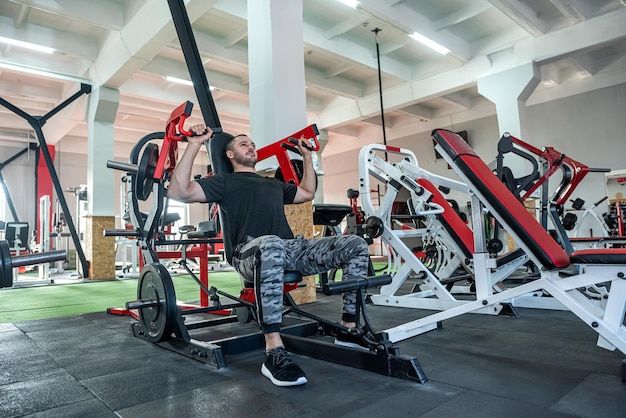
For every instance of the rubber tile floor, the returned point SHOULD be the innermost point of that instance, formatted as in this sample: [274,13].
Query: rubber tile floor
[540,364]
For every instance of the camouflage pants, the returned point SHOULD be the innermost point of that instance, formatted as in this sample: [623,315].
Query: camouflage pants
[264,260]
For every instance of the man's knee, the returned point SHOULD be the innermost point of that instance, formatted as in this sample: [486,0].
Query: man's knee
[356,243]
[272,250]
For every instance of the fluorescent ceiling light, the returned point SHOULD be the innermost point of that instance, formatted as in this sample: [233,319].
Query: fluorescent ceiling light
[26,45]
[351,3]
[178,80]
[182,81]
[42,73]
[430,43]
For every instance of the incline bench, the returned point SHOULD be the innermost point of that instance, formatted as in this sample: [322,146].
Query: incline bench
[596,267]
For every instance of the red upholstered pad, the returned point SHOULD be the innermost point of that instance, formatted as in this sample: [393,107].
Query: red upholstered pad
[451,221]
[514,215]
[599,256]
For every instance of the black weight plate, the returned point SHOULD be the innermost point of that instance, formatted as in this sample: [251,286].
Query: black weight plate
[155,283]
[145,171]
[244,314]
[6,269]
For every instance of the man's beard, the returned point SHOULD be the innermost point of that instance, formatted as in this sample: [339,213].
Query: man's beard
[245,160]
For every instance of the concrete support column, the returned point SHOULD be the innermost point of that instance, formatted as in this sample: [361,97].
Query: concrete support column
[277,93]
[276,66]
[99,250]
[509,90]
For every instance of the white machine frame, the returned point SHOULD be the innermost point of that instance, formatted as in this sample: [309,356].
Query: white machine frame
[604,315]
[402,262]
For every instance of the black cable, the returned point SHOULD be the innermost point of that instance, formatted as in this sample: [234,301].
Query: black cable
[380,88]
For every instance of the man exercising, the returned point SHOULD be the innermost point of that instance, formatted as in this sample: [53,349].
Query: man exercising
[264,245]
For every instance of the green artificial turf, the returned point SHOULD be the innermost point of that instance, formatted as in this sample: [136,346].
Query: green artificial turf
[52,301]
[38,302]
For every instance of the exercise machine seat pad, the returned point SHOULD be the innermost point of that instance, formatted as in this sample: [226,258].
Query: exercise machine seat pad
[206,229]
[515,216]
[289,277]
[599,256]
[330,214]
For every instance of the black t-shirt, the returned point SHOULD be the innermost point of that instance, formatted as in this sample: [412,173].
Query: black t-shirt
[250,205]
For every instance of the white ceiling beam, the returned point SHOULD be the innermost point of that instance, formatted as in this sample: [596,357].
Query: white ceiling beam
[407,93]
[129,50]
[318,39]
[233,109]
[23,136]
[347,130]
[141,105]
[338,69]
[388,47]
[314,104]
[21,16]
[573,10]
[140,89]
[16,123]
[163,67]
[407,19]
[48,93]
[67,43]
[68,118]
[347,50]
[458,99]
[461,15]
[28,105]
[601,30]
[235,37]
[40,70]
[566,89]
[583,63]
[498,41]
[418,111]
[336,85]
[550,75]
[522,15]
[212,47]
[102,13]
[375,120]
[356,19]
[397,119]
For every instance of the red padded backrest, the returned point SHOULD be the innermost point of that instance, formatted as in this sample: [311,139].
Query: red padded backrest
[451,221]
[506,207]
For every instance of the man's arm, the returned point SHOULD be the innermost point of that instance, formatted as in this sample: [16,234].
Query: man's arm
[306,189]
[181,187]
